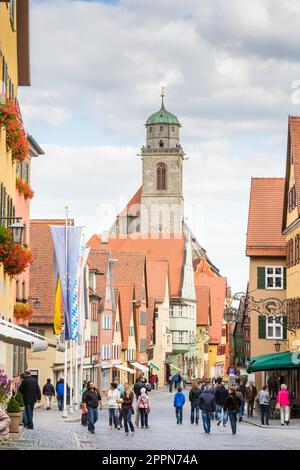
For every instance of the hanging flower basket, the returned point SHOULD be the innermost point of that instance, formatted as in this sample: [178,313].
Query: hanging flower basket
[22,311]
[16,139]
[24,188]
[15,258]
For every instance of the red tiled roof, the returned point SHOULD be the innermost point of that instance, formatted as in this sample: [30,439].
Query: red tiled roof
[133,207]
[161,248]
[126,296]
[98,259]
[41,271]
[264,236]
[203,305]
[157,272]
[130,267]
[217,287]
[293,155]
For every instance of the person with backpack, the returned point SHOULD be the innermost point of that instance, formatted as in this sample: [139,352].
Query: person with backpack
[143,404]
[194,397]
[232,406]
[221,395]
[178,403]
[49,393]
[60,393]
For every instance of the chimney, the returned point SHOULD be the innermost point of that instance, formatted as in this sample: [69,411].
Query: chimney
[104,237]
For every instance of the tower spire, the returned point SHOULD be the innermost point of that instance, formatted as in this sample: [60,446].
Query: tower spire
[163,94]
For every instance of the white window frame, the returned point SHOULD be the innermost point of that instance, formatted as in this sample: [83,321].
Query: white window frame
[274,276]
[273,324]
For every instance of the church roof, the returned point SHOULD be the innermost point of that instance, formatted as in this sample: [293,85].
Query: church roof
[162,117]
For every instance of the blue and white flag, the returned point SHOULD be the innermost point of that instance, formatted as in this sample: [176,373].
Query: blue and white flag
[67,265]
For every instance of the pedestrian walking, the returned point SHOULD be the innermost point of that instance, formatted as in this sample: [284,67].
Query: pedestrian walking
[152,381]
[221,395]
[170,383]
[60,393]
[184,380]
[207,406]
[179,401]
[250,395]
[156,381]
[263,399]
[143,404]
[49,393]
[127,409]
[176,380]
[31,393]
[232,405]
[92,399]
[239,393]
[113,399]
[139,384]
[284,402]
[4,425]
[194,397]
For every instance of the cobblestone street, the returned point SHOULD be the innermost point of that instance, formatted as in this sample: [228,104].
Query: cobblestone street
[51,432]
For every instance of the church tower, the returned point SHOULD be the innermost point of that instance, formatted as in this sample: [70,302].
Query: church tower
[162,160]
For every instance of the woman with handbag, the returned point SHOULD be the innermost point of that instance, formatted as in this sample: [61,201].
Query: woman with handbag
[143,404]
[127,409]
[284,404]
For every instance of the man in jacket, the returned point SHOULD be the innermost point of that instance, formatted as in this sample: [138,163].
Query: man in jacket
[60,393]
[49,393]
[194,397]
[221,395]
[250,395]
[31,393]
[179,401]
[207,406]
[92,399]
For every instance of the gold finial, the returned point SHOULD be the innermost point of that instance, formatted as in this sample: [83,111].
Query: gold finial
[163,94]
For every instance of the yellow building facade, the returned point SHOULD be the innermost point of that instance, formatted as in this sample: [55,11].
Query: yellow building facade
[14,71]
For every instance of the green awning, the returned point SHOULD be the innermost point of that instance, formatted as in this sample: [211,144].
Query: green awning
[153,365]
[284,360]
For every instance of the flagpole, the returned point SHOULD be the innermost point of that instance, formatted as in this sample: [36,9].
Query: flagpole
[71,410]
[65,412]
[76,375]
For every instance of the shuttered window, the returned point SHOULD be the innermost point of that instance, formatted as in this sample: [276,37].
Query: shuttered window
[261,327]
[161,176]
[261,278]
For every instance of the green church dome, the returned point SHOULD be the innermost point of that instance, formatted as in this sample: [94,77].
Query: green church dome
[162,117]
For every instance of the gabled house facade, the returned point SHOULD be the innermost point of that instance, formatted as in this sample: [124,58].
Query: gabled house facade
[266,249]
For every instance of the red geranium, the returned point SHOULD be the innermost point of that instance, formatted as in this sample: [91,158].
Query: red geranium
[22,310]
[16,139]
[15,258]
[24,188]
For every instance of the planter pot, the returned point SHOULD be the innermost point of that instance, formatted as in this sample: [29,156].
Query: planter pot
[21,415]
[14,422]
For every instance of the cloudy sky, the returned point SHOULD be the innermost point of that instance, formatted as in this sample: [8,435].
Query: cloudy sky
[231,71]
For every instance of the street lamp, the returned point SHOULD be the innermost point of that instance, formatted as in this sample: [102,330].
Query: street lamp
[17,230]
[277,346]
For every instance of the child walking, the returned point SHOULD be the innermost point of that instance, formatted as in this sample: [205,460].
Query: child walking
[143,404]
[179,401]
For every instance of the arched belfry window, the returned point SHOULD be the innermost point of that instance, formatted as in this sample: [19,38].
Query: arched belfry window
[161,176]
[161,144]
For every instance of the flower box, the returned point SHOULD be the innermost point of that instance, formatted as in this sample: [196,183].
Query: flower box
[15,258]
[22,311]
[24,189]
[16,139]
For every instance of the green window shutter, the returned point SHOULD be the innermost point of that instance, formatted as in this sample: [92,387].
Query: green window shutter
[261,327]
[284,336]
[261,278]
[284,278]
